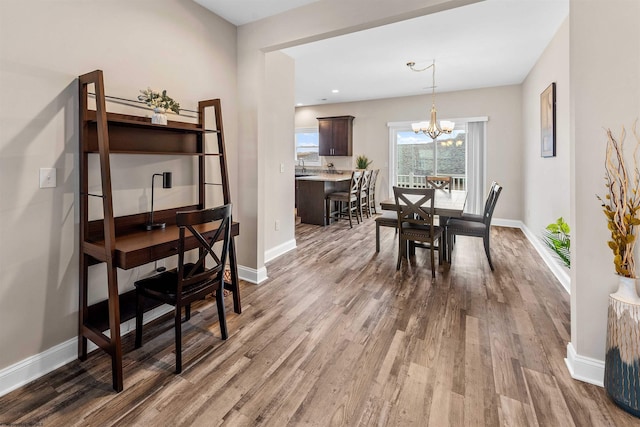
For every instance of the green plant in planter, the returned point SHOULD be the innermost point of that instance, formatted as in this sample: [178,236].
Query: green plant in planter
[556,237]
[159,100]
[362,162]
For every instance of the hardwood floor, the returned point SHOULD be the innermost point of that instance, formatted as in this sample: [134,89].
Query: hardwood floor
[337,337]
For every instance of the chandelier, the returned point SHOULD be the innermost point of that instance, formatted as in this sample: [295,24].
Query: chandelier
[432,127]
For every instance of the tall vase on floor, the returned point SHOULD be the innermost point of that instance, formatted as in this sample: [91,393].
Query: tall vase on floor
[621,206]
[622,361]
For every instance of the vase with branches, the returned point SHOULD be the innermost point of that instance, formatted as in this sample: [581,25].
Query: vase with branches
[621,203]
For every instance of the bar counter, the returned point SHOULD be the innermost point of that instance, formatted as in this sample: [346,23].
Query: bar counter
[311,191]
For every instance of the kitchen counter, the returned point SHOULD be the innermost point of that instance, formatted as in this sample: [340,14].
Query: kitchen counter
[331,177]
[311,192]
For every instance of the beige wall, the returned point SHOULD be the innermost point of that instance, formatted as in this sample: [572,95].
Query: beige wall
[278,189]
[546,180]
[371,135]
[605,93]
[44,46]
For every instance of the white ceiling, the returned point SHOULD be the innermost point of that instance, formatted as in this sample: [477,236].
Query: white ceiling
[240,12]
[490,43]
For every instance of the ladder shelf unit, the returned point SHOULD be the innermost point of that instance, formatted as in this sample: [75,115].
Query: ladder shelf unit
[121,242]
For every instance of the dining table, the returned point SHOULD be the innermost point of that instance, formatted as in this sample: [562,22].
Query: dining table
[446,204]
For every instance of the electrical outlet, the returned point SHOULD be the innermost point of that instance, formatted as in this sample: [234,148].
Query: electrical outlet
[277,226]
[47,177]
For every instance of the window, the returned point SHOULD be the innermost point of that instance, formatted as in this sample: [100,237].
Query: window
[417,155]
[460,155]
[307,146]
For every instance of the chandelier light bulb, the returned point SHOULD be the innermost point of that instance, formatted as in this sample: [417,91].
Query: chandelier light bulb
[432,127]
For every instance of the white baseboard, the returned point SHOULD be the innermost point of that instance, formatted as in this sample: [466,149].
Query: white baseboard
[561,273]
[512,223]
[36,366]
[273,253]
[252,275]
[584,368]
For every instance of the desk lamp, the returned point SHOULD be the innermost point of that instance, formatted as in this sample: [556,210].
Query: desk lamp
[166,183]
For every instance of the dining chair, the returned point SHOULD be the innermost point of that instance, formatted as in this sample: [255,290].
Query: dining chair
[348,201]
[190,282]
[363,195]
[480,217]
[469,225]
[414,207]
[372,191]
[387,219]
[439,182]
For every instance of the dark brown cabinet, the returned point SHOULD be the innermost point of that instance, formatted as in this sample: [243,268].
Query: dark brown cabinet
[335,135]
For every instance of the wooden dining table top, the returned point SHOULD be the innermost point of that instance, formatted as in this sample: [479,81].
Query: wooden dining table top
[446,203]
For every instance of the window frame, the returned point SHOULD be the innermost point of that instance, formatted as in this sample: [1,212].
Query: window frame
[295,144]
[404,126]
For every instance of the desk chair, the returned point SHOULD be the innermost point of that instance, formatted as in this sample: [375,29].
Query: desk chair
[190,281]
[415,222]
[474,225]
[348,201]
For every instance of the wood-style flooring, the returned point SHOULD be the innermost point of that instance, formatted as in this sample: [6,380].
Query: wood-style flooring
[337,336]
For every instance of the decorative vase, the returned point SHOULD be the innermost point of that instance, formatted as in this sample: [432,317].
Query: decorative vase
[622,361]
[159,117]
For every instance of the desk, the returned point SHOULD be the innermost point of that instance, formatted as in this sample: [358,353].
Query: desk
[134,247]
[447,204]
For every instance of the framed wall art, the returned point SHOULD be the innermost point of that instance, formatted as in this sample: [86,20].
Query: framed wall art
[548,121]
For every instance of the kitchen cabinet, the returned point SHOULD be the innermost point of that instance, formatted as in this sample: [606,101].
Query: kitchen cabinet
[335,135]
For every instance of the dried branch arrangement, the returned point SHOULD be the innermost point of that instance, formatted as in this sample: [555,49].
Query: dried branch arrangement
[622,203]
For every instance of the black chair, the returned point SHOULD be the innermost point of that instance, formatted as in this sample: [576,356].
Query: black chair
[387,219]
[475,225]
[348,201]
[191,281]
[415,221]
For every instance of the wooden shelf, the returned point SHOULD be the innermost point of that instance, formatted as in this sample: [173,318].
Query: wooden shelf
[145,123]
[122,242]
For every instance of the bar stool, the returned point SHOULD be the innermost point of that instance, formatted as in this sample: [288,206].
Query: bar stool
[372,191]
[363,195]
[348,201]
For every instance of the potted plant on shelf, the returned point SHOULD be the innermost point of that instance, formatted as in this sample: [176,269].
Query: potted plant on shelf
[362,162]
[621,206]
[161,103]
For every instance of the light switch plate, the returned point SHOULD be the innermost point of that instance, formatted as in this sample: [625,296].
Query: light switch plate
[281,167]
[47,177]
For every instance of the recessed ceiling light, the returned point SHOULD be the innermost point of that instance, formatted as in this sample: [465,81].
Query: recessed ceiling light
[335,91]
[299,104]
